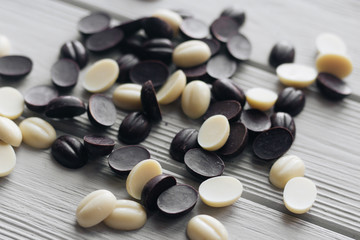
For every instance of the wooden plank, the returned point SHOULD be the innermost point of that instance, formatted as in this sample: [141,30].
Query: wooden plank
[39,183]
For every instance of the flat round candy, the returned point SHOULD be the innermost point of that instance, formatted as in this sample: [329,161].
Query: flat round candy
[149,102]
[155,71]
[105,40]
[98,145]
[272,143]
[223,28]
[134,128]
[203,164]
[290,100]
[8,159]
[183,141]
[220,191]
[221,66]
[101,75]
[194,28]
[14,66]
[123,159]
[239,47]
[196,73]
[214,133]
[296,75]
[261,98]
[64,74]
[213,44]
[101,111]
[339,65]
[231,109]
[330,43]
[11,102]
[94,23]
[332,87]
[236,142]
[38,97]
[177,200]
[299,195]
[65,107]
[255,120]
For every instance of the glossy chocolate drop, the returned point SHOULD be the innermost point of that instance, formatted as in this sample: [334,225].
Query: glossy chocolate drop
[156,28]
[149,102]
[69,152]
[203,164]
[134,128]
[192,28]
[332,87]
[236,142]
[177,200]
[282,119]
[126,62]
[101,111]
[226,89]
[105,40]
[223,28]
[282,52]
[290,100]
[239,47]
[98,145]
[221,66]
[236,14]
[183,141]
[94,23]
[122,160]
[15,66]
[255,120]
[65,74]
[272,143]
[65,107]
[38,97]
[155,71]
[231,109]
[153,188]
[158,49]
[75,51]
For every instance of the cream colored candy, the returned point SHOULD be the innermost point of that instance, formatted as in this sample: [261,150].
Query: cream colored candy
[10,132]
[339,65]
[195,99]
[173,88]
[220,191]
[191,53]
[11,102]
[7,159]
[140,175]
[101,75]
[330,43]
[299,195]
[203,227]
[286,168]
[296,75]
[5,46]
[95,207]
[170,17]
[128,96]
[37,132]
[261,98]
[127,215]
[214,133]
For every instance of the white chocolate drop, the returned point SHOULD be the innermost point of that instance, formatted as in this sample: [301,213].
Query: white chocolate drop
[10,132]
[261,98]
[214,133]
[140,175]
[172,89]
[7,159]
[127,215]
[339,65]
[11,103]
[220,191]
[170,17]
[95,207]
[286,168]
[203,227]
[128,96]
[5,46]
[195,99]
[299,195]
[191,53]
[330,43]
[37,132]
[296,75]
[101,75]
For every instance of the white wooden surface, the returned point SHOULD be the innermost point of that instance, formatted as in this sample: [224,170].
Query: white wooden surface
[38,200]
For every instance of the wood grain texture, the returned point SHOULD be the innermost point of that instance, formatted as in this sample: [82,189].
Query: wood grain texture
[38,200]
